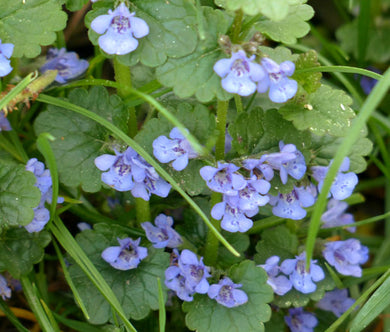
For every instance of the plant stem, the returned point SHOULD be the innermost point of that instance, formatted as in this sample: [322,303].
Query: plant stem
[236,27]
[211,249]
[238,101]
[123,78]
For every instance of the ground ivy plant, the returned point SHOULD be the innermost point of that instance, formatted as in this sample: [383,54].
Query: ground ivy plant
[194,165]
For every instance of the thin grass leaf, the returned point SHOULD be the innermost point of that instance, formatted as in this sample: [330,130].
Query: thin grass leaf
[368,107]
[363,29]
[335,277]
[162,317]
[76,325]
[11,316]
[126,139]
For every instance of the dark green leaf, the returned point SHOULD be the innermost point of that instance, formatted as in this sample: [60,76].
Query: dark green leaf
[193,74]
[74,5]
[18,195]
[325,111]
[136,289]
[206,315]
[172,30]
[79,140]
[240,242]
[30,24]
[20,250]
[309,81]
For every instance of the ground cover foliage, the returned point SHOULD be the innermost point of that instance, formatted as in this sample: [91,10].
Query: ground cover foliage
[194,165]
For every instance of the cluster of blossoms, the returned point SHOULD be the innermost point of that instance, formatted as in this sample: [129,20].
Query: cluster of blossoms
[6,50]
[119,30]
[44,184]
[243,76]
[68,64]
[128,171]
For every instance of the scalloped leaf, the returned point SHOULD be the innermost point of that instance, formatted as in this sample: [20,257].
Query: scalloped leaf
[193,74]
[30,24]
[20,250]
[18,195]
[172,31]
[291,27]
[311,82]
[326,111]
[74,5]
[206,315]
[78,139]
[136,289]
[240,242]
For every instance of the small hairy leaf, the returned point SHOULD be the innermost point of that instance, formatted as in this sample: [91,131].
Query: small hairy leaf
[30,24]
[79,139]
[136,289]
[193,74]
[18,195]
[309,81]
[325,111]
[291,27]
[206,315]
[20,250]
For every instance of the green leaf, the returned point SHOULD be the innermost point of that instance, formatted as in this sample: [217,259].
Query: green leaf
[20,250]
[136,289]
[172,31]
[378,302]
[325,148]
[278,241]
[74,5]
[298,299]
[309,81]
[291,27]
[193,74]
[206,315]
[246,130]
[18,195]
[325,111]
[200,122]
[79,140]
[29,24]
[240,242]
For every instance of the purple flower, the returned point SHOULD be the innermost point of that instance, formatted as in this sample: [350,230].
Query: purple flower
[127,256]
[346,256]
[344,183]
[177,149]
[368,83]
[41,218]
[5,291]
[239,73]
[227,294]
[335,215]
[223,179]
[83,226]
[252,196]
[336,301]
[68,64]
[280,87]
[6,51]
[280,284]
[291,205]
[259,168]
[4,123]
[301,279]
[300,321]
[186,275]
[289,161]
[163,235]
[119,30]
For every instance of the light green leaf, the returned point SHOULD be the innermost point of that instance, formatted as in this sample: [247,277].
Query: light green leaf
[206,315]
[79,140]
[20,250]
[193,74]
[18,195]
[279,54]
[291,27]
[309,81]
[325,111]
[172,31]
[246,131]
[30,24]
[240,242]
[136,289]
[74,5]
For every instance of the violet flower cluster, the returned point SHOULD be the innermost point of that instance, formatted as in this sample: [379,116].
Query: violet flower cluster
[226,292]
[243,76]
[68,64]
[299,320]
[128,171]
[6,50]
[127,255]
[346,256]
[336,301]
[176,149]
[162,235]
[119,30]
[279,283]
[44,184]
